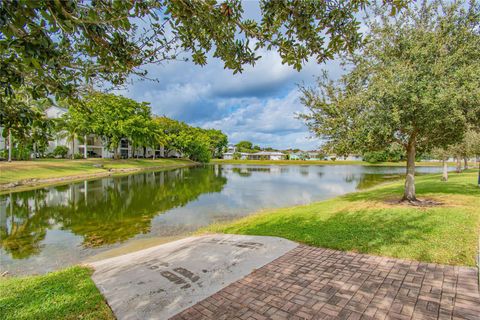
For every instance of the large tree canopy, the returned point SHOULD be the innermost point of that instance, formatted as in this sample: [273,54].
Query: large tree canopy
[415,83]
[54,47]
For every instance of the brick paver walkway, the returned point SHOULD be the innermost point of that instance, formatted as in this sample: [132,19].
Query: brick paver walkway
[315,283]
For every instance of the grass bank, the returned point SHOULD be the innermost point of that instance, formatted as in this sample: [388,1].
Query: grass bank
[327,162]
[19,175]
[372,222]
[66,294]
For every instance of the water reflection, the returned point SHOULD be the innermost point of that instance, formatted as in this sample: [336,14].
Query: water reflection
[102,211]
[49,228]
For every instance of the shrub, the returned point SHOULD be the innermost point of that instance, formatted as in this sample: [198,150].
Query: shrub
[60,151]
[78,156]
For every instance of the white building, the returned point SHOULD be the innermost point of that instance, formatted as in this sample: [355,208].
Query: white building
[262,155]
[92,146]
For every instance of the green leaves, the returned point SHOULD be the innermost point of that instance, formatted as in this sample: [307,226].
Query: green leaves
[58,47]
[414,77]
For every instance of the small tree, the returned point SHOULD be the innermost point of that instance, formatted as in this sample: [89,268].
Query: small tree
[443,154]
[72,127]
[60,151]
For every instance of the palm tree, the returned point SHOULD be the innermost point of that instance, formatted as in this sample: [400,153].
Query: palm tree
[71,128]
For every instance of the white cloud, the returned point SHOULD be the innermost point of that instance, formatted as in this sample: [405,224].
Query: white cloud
[268,122]
[258,104]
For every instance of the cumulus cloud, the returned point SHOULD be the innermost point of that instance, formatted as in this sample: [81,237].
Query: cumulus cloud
[266,121]
[258,105]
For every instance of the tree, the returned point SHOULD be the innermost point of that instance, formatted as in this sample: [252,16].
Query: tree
[170,130]
[72,126]
[16,118]
[415,83]
[42,131]
[115,117]
[195,143]
[218,141]
[58,46]
[244,146]
[467,148]
[443,154]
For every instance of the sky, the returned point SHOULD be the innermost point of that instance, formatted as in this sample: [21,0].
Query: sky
[258,105]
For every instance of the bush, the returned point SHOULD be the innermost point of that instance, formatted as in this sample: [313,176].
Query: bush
[375,156]
[78,156]
[60,151]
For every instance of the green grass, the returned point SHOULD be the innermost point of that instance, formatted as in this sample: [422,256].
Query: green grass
[66,294]
[59,168]
[326,162]
[370,222]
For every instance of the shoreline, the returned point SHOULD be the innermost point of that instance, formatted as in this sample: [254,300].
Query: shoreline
[114,168]
[34,183]
[330,162]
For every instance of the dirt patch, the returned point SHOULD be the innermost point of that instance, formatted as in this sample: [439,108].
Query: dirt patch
[423,203]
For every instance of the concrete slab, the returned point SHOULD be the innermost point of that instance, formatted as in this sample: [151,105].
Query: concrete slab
[159,282]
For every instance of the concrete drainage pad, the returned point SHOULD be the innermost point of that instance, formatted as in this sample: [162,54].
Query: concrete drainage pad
[159,282]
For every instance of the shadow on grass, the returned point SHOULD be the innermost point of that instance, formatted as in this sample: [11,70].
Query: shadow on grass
[421,235]
[458,184]
[362,231]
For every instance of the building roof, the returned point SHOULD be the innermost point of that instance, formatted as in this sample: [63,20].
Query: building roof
[268,153]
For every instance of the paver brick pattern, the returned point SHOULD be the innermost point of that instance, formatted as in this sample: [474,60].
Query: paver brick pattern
[316,283]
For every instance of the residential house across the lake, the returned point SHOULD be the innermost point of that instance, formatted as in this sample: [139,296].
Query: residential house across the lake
[267,155]
[261,155]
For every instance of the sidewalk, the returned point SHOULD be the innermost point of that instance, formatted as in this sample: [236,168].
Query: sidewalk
[316,283]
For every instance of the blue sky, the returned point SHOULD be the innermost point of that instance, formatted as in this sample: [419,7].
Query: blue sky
[258,105]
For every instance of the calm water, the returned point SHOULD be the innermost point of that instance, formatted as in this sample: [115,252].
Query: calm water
[49,228]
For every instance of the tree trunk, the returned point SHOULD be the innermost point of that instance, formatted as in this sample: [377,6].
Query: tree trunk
[73,147]
[478,161]
[445,171]
[9,145]
[465,162]
[409,192]
[459,165]
[85,154]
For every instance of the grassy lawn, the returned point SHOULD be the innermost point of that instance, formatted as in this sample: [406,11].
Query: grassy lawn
[325,162]
[59,168]
[66,294]
[370,222]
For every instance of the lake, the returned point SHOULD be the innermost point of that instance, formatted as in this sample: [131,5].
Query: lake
[52,227]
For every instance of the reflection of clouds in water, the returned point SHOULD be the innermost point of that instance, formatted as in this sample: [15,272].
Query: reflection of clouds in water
[109,211]
[265,187]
